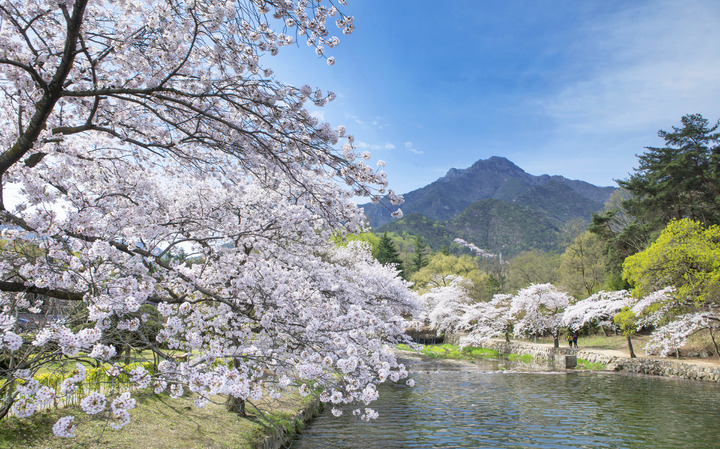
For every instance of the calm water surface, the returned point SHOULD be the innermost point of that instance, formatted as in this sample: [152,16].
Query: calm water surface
[462,406]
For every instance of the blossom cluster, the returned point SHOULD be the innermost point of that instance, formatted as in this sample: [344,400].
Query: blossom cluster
[598,308]
[165,167]
[475,249]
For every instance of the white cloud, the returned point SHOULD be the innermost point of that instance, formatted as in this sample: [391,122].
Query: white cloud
[376,122]
[642,68]
[638,71]
[410,147]
[374,147]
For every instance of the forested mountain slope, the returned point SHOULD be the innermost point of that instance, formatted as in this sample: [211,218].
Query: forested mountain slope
[494,204]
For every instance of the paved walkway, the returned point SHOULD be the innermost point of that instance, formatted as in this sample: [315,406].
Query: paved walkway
[707,361]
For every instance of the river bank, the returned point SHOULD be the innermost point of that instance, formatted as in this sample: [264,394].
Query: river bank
[705,369]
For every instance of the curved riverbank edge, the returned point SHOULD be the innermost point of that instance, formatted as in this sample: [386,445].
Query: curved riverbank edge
[639,365]
[280,438]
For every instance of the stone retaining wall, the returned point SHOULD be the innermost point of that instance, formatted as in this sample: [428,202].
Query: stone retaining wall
[640,365]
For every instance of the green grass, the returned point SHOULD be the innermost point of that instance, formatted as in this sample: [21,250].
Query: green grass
[526,358]
[617,342]
[481,352]
[157,422]
[443,351]
[591,366]
[448,351]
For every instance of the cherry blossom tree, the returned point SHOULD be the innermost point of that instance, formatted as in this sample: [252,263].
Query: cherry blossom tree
[483,321]
[632,315]
[673,319]
[643,314]
[538,309]
[445,305]
[598,309]
[449,309]
[135,130]
[475,249]
[669,338]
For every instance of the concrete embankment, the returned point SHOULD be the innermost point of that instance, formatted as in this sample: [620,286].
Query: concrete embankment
[640,365]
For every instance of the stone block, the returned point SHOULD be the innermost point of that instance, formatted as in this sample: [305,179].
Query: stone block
[565,361]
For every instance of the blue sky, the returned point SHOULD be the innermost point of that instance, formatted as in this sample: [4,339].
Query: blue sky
[573,88]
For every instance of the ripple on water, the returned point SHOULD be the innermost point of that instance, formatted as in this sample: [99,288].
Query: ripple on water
[469,408]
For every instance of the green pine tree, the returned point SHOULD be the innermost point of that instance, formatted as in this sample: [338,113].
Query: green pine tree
[420,257]
[680,180]
[386,252]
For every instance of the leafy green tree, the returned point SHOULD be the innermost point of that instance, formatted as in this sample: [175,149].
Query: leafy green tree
[442,270]
[627,322]
[533,267]
[368,237]
[583,265]
[386,252]
[686,256]
[571,230]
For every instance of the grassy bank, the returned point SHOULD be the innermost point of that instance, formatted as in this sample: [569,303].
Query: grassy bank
[157,423]
[448,351]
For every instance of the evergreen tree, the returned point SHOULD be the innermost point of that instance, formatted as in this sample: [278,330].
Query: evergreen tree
[386,252]
[420,257]
[680,180]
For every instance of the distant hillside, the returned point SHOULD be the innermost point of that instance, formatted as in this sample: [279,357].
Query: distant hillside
[490,224]
[495,205]
[558,201]
[495,177]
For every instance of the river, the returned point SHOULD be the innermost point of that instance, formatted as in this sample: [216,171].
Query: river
[463,405]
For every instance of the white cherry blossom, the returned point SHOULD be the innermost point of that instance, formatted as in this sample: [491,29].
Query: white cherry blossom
[161,165]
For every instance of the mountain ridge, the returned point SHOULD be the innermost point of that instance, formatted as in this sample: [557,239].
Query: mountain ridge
[542,204]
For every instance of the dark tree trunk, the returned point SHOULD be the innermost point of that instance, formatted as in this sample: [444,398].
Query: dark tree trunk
[233,404]
[556,339]
[6,407]
[632,353]
[236,405]
[717,349]
[507,336]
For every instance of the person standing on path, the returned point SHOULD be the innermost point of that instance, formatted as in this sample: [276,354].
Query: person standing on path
[574,339]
